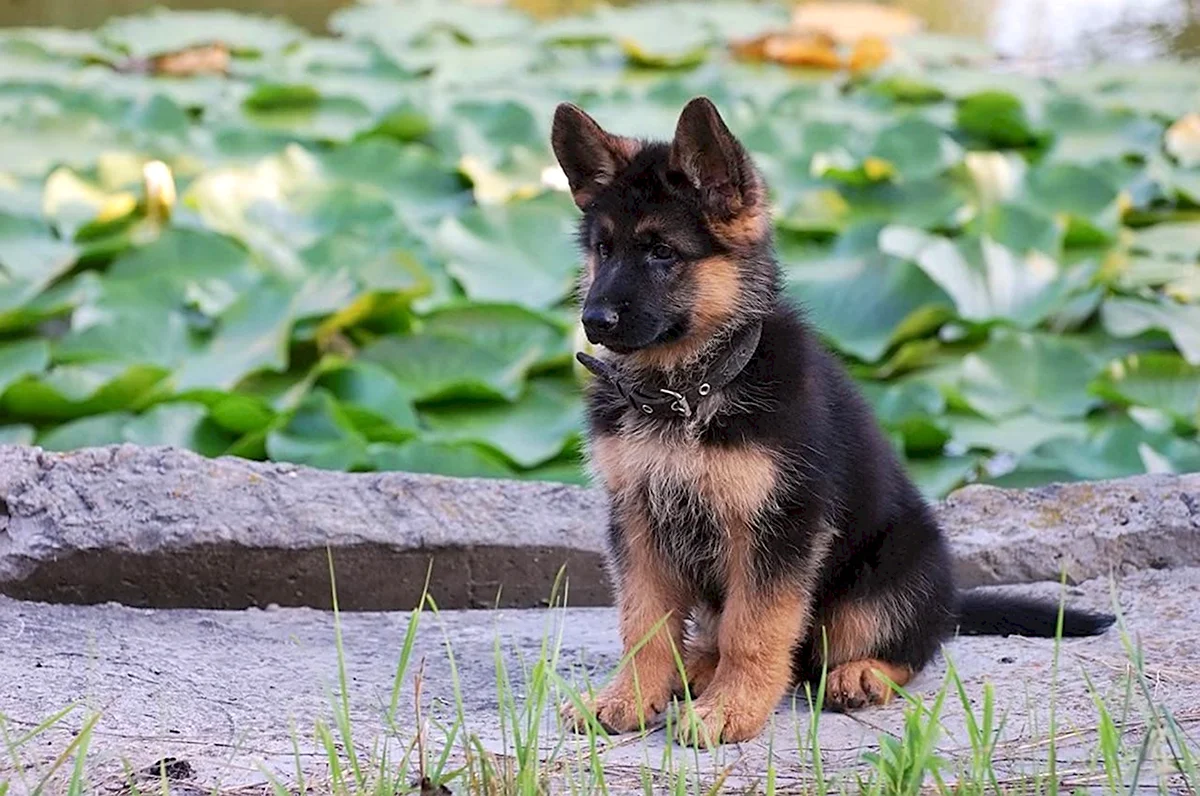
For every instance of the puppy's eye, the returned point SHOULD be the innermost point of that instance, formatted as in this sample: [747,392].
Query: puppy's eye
[662,252]
[603,250]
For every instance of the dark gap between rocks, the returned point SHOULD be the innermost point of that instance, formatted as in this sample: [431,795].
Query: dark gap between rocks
[369,578]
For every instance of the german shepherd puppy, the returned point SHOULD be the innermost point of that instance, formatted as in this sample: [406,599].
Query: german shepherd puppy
[751,490]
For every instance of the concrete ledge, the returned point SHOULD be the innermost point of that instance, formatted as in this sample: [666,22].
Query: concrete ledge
[167,528]
[1090,528]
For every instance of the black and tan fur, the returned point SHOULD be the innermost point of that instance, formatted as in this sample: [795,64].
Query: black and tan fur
[778,510]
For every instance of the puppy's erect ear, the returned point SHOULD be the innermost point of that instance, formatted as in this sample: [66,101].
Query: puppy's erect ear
[589,156]
[713,161]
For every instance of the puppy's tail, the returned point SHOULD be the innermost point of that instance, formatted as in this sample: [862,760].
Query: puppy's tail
[986,613]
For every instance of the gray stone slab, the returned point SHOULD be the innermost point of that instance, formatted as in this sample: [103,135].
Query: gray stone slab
[168,528]
[228,691]
[1088,528]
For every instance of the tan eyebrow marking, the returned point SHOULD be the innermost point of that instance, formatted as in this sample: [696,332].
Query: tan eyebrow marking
[649,225]
[604,225]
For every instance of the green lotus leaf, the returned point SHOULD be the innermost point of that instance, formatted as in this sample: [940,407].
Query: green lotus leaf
[1021,372]
[433,458]
[521,253]
[318,433]
[163,31]
[531,431]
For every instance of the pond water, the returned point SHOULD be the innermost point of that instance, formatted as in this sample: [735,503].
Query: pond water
[1039,32]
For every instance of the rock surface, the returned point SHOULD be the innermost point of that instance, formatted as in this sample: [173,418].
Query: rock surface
[1088,528]
[223,694]
[168,528]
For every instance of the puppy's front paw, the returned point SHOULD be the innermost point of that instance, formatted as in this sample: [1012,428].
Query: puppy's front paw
[617,708]
[722,717]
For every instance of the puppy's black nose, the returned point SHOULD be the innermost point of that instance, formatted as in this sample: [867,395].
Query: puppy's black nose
[599,320]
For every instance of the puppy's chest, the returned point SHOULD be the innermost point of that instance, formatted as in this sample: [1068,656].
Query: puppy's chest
[677,479]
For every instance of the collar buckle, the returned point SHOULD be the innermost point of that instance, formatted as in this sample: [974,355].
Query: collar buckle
[680,404]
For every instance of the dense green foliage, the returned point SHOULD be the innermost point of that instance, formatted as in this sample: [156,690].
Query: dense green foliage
[368,266]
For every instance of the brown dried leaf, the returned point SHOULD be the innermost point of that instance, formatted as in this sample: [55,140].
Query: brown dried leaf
[869,53]
[850,22]
[205,59]
[791,49]
[750,49]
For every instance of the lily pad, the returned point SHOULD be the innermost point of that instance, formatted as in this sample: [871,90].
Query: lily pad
[926,204]
[1173,241]
[318,434]
[22,358]
[986,280]
[867,304]
[18,434]
[996,118]
[67,392]
[513,332]
[372,399]
[431,367]
[917,148]
[181,425]
[1128,317]
[912,410]
[421,186]
[1017,434]
[1157,380]
[126,322]
[938,477]
[1085,133]
[523,253]
[251,335]
[1018,372]
[163,31]
[1116,450]
[433,458]
[1085,197]
[86,432]
[531,431]
[30,260]
[417,19]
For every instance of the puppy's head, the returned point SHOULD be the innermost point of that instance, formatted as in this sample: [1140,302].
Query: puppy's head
[676,236]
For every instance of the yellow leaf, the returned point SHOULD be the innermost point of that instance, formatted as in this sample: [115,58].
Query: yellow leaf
[878,169]
[159,186]
[850,22]
[870,52]
[116,206]
[1182,140]
[640,56]
[493,187]
[791,49]
[1124,202]
[357,310]
[65,193]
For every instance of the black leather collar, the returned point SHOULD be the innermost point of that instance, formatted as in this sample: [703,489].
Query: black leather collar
[651,400]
